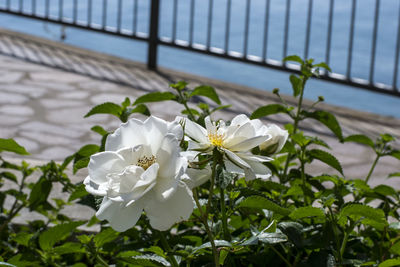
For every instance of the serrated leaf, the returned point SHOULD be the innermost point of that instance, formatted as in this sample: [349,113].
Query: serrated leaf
[69,247]
[385,190]
[88,150]
[23,238]
[142,109]
[105,108]
[390,263]
[148,260]
[294,58]
[328,120]
[357,211]
[268,110]
[297,84]
[293,230]
[327,158]
[11,146]
[79,192]
[105,236]
[307,212]
[207,91]
[9,176]
[361,139]
[259,202]
[50,237]
[155,97]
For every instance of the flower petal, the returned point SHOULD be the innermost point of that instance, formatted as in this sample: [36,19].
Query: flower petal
[236,159]
[177,208]
[168,156]
[196,132]
[249,143]
[120,217]
[127,135]
[155,130]
[94,188]
[103,163]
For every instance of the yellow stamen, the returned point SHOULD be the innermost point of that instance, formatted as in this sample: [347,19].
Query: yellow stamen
[216,139]
[146,162]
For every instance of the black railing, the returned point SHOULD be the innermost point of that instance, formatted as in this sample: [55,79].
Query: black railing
[82,14]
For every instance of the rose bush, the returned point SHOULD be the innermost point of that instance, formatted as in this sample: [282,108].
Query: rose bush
[194,179]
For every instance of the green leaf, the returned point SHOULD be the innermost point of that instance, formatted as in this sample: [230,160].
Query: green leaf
[207,91]
[395,248]
[328,120]
[218,243]
[69,247]
[9,176]
[357,211]
[268,110]
[327,158]
[222,256]
[7,264]
[395,154]
[79,192]
[80,164]
[142,109]
[12,146]
[361,139]
[272,238]
[297,84]
[88,150]
[39,193]
[322,65]
[390,262]
[259,202]
[293,58]
[293,230]
[179,85]
[155,97]
[100,130]
[385,190]
[148,260]
[105,108]
[105,236]
[307,212]
[23,238]
[395,174]
[50,237]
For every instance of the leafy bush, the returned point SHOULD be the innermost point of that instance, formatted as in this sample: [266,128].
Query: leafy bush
[292,218]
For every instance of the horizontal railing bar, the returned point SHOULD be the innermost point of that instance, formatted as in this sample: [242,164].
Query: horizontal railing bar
[331,77]
[83,26]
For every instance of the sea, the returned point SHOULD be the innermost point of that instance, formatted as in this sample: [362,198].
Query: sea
[236,72]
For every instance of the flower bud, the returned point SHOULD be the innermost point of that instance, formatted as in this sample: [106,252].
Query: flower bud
[276,142]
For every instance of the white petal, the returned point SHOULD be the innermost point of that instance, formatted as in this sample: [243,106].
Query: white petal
[236,159]
[260,170]
[177,208]
[155,130]
[94,188]
[168,156]
[176,129]
[240,119]
[167,185]
[248,143]
[120,217]
[195,131]
[251,157]
[127,135]
[131,154]
[102,163]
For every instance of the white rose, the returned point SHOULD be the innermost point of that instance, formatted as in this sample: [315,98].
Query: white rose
[141,169]
[278,140]
[234,141]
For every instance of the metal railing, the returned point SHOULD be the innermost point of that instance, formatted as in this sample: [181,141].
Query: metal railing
[84,16]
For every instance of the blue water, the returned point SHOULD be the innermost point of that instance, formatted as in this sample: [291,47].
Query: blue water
[258,77]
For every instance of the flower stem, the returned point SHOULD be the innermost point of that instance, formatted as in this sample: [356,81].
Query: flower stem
[281,256]
[372,168]
[184,103]
[204,218]
[167,247]
[227,235]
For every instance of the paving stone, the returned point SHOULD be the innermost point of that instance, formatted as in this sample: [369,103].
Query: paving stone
[57,76]
[97,86]
[10,77]
[51,85]
[47,139]
[7,132]
[11,120]
[101,98]
[30,145]
[10,98]
[29,90]
[55,153]
[75,116]
[16,110]
[60,103]
[75,95]
[51,128]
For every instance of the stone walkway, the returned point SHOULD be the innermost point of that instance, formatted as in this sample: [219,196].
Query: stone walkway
[46,88]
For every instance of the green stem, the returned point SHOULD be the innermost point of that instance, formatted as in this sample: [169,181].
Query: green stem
[207,227]
[281,256]
[303,179]
[345,239]
[212,182]
[372,168]
[227,235]
[296,124]
[184,103]
[101,260]
[167,247]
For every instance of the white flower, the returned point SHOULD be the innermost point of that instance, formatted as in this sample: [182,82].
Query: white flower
[141,169]
[234,141]
[278,140]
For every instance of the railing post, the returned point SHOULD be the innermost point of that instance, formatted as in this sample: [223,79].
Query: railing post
[153,35]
